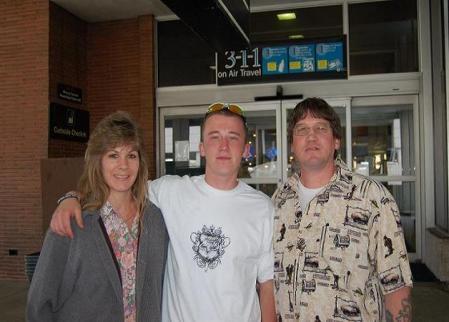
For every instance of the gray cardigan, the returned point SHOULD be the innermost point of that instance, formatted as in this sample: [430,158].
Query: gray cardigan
[77,279]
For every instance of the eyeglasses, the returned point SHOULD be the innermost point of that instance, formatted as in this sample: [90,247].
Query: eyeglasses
[233,108]
[319,129]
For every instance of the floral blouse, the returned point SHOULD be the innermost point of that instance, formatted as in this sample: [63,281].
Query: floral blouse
[124,244]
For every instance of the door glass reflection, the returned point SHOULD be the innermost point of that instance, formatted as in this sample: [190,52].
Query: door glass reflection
[182,138]
[383,140]
[263,152]
[266,188]
[404,194]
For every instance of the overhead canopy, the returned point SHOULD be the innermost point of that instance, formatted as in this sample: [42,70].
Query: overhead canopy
[223,24]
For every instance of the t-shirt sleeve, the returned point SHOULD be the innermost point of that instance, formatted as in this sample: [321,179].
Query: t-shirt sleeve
[387,246]
[155,190]
[266,262]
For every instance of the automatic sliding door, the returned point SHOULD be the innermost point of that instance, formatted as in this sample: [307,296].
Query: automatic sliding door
[261,169]
[384,144]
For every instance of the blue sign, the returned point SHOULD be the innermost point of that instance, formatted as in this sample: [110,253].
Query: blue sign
[301,58]
[307,59]
[329,56]
[274,60]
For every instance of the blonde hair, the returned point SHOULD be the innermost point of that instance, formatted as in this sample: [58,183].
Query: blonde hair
[114,130]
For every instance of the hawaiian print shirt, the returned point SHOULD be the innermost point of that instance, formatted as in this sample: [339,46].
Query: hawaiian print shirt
[336,259]
[124,243]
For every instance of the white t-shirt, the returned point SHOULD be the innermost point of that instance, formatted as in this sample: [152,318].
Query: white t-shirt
[306,194]
[220,245]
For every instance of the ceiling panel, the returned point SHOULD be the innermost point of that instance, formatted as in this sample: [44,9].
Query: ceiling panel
[106,10]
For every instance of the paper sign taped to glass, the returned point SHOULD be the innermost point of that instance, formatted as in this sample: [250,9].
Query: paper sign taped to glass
[182,151]
[394,169]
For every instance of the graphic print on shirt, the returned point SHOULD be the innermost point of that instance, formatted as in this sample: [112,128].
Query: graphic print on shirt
[357,217]
[347,310]
[389,246]
[287,193]
[281,233]
[392,279]
[209,246]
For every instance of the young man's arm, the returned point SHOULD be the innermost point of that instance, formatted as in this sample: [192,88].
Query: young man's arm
[60,221]
[70,207]
[398,305]
[266,300]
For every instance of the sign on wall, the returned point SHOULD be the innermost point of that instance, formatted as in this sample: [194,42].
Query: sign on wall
[70,93]
[68,123]
[306,60]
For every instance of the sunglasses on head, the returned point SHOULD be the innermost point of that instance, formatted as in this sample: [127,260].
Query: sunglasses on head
[233,108]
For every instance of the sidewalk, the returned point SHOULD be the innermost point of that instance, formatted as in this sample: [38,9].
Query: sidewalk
[430,302]
[12,301]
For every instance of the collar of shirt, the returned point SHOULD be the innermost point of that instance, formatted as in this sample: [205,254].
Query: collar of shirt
[112,219]
[342,174]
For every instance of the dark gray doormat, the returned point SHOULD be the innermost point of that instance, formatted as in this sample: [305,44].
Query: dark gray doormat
[421,273]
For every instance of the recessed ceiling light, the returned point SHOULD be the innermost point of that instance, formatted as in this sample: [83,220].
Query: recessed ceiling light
[295,37]
[286,16]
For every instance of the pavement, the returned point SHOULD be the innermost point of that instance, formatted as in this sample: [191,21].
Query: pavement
[430,301]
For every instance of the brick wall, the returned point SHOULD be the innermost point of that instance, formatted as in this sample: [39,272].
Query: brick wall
[43,45]
[23,128]
[67,65]
[120,74]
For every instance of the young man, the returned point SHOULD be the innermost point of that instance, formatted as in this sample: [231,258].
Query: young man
[220,232]
[339,247]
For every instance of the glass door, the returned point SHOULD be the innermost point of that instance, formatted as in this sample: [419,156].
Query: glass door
[385,141]
[380,139]
[262,169]
[181,134]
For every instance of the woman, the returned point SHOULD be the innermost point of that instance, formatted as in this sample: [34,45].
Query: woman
[112,270]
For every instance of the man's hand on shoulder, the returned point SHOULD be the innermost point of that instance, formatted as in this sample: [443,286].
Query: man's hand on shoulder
[60,221]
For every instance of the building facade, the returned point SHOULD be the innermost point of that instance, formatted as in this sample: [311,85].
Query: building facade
[393,103]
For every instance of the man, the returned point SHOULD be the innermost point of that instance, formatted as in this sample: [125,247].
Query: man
[220,232]
[339,247]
